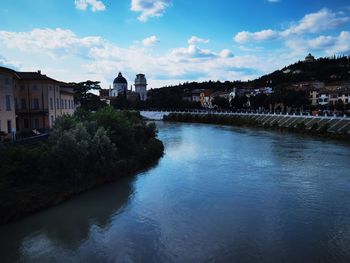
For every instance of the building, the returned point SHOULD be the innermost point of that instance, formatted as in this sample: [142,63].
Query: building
[232,94]
[37,100]
[314,96]
[8,79]
[120,86]
[310,58]
[323,98]
[196,95]
[206,99]
[141,86]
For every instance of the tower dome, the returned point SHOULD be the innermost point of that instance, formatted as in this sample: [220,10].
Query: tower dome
[120,79]
[120,86]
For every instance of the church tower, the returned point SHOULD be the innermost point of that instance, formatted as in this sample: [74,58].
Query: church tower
[141,86]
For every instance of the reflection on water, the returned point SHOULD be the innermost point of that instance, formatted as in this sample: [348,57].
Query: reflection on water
[219,194]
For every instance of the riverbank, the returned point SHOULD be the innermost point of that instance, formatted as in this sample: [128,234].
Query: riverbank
[83,152]
[297,125]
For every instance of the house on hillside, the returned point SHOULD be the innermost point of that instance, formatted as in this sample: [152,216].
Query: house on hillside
[206,99]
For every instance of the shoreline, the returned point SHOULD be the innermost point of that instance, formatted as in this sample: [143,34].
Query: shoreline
[236,121]
[49,196]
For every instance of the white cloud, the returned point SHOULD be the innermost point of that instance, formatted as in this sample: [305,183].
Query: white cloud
[329,44]
[226,53]
[57,41]
[197,40]
[92,57]
[321,42]
[245,36]
[149,8]
[95,5]
[322,20]
[150,41]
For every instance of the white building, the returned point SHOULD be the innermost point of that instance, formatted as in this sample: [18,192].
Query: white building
[141,86]
[120,86]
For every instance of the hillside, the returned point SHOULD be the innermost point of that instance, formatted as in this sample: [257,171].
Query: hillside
[322,69]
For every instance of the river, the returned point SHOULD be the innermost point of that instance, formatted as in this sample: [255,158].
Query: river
[219,194]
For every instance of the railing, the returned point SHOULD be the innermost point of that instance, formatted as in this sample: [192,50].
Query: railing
[27,141]
[252,113]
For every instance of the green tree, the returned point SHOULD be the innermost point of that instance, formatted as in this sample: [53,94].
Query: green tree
[84,97]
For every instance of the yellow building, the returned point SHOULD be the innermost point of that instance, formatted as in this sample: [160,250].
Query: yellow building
[7,105]
[36,100]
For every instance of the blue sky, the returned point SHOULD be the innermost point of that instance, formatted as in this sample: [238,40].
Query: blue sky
[171,41]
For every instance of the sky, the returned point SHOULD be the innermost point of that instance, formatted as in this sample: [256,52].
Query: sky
[171,41]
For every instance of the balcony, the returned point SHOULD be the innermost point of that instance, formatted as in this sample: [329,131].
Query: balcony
[32,111]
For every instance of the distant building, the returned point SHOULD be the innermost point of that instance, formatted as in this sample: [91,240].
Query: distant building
[132,96]
[196,95]
[323,99]
[120,86]
[105,93]
[141,86]
[232,94]
[310,58]
[330,95]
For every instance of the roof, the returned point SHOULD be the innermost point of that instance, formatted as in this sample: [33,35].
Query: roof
[8,70]
[120,79]
[34,76]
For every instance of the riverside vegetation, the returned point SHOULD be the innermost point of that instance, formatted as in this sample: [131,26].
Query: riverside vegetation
[315,130]
[83,151]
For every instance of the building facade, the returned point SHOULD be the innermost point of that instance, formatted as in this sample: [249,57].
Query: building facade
[7,101]
[35,101]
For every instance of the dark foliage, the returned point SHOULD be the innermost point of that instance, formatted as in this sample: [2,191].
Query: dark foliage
[82,151]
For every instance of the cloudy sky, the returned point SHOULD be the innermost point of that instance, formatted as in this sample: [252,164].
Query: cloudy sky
[171,41]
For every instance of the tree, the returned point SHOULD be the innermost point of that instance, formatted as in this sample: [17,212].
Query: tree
[84,97]
[222,103]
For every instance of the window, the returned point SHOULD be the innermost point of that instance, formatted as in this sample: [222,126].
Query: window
[8,102]
[36,104]
[26,123]
[65,104]
[51,103]
[36,123]
[68,104]
[16,104]
[23,104]
[57,103]
[34,87]
[9,126]
[52,120]
[61,103]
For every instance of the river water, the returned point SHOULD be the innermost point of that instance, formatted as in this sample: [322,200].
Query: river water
[219,194]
